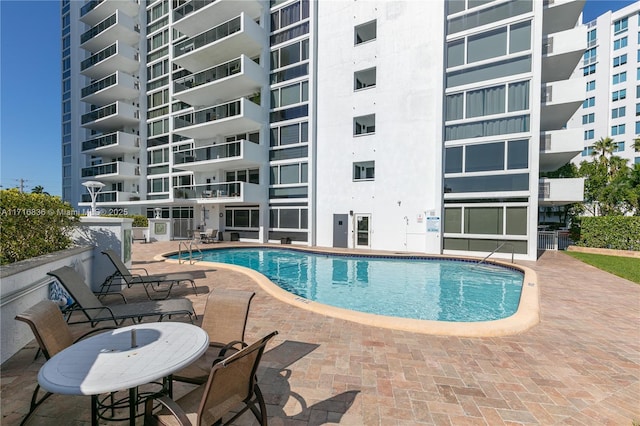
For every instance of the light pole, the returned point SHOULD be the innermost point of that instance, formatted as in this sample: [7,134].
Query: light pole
[93,186]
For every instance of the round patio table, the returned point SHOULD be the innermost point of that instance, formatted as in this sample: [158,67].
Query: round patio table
[124,358]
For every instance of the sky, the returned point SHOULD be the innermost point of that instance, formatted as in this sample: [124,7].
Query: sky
[30,91]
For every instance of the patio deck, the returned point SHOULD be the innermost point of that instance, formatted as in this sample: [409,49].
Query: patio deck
[579,366]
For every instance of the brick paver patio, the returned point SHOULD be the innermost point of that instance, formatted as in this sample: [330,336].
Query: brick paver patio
[579,366]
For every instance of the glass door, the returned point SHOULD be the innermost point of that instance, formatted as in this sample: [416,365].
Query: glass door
[363,230]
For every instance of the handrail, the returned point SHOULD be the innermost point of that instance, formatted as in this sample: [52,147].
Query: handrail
[496,249]
[189,248]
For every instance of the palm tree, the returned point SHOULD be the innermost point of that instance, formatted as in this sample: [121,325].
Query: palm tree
[636,144]
[603,148]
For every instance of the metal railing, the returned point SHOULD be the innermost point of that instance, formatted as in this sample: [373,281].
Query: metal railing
[189,248]
[496,249]
[553,240]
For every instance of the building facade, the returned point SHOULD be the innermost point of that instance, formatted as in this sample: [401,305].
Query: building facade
[403,125]
[611,84]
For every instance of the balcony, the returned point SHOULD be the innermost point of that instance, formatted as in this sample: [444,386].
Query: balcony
[115,171]
[114,116]
[98,10]
[222,82]
[558,147]
[230,155]
[116,57]
[196,16]
[556,192]
[233,117]
[116,27]
[560,15]
[560,100]
[240,35]
[112,144]
[117,86]
[561,53]
[111,197]
[222,193]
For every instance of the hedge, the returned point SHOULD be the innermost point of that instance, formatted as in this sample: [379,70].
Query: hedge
[139,221]
[612,232]
[33,225]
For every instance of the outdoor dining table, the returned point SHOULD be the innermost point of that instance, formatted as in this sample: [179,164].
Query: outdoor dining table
[122,359]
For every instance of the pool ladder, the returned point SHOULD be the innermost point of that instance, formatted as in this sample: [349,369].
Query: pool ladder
[189,249]
[496,249]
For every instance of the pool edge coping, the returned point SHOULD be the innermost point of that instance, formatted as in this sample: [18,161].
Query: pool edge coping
[526,316]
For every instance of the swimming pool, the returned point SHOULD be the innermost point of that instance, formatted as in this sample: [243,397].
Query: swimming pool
[416,288]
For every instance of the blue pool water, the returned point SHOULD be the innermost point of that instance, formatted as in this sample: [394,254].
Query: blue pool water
[428,289]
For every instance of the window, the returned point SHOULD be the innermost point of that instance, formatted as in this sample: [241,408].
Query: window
[619,95]
[588,118]
[592,37]
[591,85]
[290,134]
[620,60]
[620,77]
[618,112]
[365,78]
[591,69]
[637,110]
[289,95]
[365,32]
[488,101]
[589,102]
[587,151]
[620,43]
[289,174]
[620,25]
[488,157]
[617,130]
[364,170]
[289,55]
[589,55]
[619,147]
[589,134]
[365,124]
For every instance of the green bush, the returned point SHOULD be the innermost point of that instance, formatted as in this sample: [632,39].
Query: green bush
[139,221]
[613,232]
[33,224]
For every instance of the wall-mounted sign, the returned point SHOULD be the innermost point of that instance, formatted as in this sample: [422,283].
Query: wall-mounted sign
[433,223]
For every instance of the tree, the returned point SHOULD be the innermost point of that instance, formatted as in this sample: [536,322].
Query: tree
[636,144]
[39,189]
[603,149]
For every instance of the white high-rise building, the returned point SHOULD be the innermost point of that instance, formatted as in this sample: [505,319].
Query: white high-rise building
[611,72]
[391,125]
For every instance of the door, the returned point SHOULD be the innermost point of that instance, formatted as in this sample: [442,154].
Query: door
[363,231]
[340,231]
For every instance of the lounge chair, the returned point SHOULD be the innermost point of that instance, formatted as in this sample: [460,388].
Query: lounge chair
[95,312]
[224,320]
[209,236]
[52,334]
[231,382]
[153,282]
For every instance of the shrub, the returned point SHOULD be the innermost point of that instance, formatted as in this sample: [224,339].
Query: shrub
[33,224]
[613,232]
[139,221]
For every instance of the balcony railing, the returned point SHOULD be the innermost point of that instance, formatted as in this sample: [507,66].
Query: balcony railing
[190,7]
[212,152]
[102,169]
[217,112]
[208,37]
[89,7]
[218,190]
[207,76]
[100,113]
[102,197]
[99,85]
[99,56]
[88,35]
[102,141]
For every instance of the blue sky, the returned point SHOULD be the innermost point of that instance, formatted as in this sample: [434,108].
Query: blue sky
[30,90]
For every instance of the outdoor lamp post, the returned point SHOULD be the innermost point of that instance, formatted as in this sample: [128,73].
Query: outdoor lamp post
[93,186]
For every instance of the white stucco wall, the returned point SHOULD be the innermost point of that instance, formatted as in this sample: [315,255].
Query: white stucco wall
[407,102]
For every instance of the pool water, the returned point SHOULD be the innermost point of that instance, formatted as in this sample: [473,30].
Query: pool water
[428,289]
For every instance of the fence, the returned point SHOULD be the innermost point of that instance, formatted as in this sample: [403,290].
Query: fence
[553,240]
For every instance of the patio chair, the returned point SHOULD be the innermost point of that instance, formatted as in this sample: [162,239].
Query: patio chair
[231,382]
[147,281]
[52,334]
[209,236]
[224,320]
[95,312]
